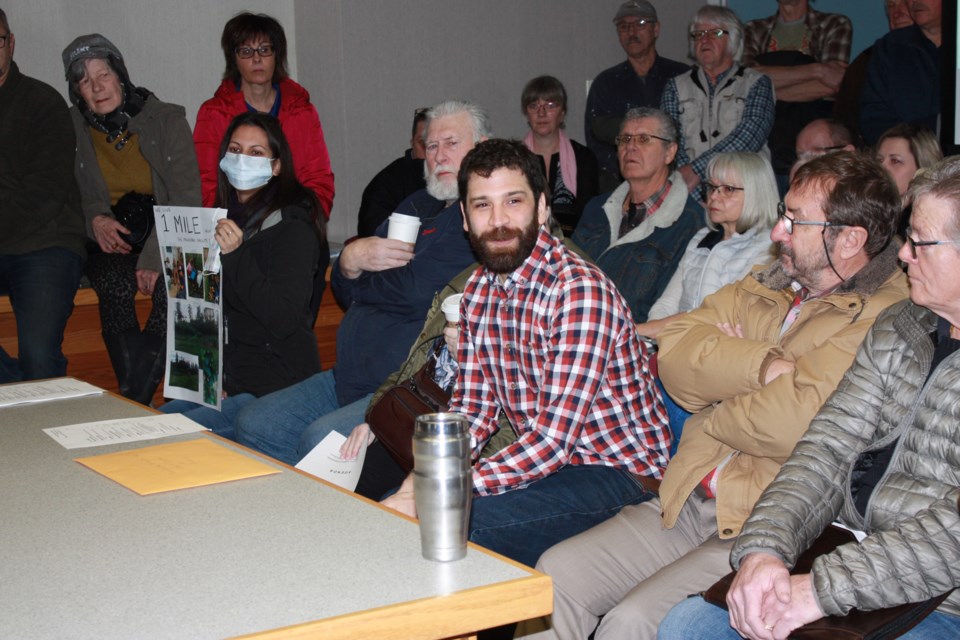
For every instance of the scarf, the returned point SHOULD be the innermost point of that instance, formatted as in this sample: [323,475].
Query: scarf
[115,123]
[568,162]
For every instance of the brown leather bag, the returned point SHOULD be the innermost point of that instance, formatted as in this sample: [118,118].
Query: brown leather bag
[392,417]
[880,624]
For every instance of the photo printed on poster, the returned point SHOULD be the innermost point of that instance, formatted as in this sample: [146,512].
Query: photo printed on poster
[191,268]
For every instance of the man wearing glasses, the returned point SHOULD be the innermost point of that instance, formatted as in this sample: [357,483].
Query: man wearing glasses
[41,226]
[754,364]
[636,82]
[719,105]
[637,233]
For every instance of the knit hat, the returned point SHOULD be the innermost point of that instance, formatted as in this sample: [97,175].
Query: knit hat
[636,9]
[114,124]
[93,46]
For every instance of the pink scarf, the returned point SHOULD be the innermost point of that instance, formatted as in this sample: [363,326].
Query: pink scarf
[568,162]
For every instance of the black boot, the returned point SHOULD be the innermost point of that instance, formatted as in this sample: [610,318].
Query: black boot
[147,372]
[122,349]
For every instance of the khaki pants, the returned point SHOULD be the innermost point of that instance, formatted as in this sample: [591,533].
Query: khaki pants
[632,571]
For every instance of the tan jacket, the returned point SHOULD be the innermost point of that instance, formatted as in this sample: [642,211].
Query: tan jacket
[719,378]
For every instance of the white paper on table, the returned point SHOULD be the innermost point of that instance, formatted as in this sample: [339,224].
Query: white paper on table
[45,390]
[324,461]
[95,434]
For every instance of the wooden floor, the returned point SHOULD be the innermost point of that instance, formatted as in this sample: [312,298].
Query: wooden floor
[87,357]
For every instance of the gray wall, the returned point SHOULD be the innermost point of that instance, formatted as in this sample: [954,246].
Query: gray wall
[367,63]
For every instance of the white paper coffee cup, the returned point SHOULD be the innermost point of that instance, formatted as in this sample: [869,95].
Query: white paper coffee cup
[404,228]
[451,307]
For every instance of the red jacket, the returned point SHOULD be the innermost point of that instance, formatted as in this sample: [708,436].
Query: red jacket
[300,124]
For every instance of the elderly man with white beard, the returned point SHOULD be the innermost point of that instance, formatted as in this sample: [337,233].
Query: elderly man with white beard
[386,293]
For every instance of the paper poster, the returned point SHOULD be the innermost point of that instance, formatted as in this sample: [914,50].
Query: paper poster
[191,267]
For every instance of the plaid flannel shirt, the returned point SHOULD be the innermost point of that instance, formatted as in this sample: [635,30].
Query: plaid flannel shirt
[555,348]
[831,35]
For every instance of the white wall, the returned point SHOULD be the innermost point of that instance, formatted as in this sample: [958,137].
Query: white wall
[366,63]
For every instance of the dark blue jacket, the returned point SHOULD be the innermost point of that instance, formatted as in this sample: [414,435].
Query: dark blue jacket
[385,310]
[903,83]
[641,267]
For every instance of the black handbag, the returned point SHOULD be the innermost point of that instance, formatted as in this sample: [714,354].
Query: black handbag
[881,624]
[135,211]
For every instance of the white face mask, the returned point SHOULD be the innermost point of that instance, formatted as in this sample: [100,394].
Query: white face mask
[246,172]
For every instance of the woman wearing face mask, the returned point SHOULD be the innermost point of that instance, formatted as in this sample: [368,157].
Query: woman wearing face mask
[133,151]
[273,244]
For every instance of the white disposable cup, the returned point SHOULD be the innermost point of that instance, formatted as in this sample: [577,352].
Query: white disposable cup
[451,308]
[403,228]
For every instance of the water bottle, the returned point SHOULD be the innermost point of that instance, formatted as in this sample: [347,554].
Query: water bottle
[442,484]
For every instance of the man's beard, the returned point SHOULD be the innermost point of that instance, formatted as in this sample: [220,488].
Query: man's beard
[440,189]
[809,269]
[508,260]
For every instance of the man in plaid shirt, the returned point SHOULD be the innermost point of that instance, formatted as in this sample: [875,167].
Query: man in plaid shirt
[546,338]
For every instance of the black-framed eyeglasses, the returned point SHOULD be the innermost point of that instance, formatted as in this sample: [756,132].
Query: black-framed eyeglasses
[713,34]
[3,40]
[789,223]
[534,107]
[723,189]
[913,244]
[264,51]
[642,139]
[626,27]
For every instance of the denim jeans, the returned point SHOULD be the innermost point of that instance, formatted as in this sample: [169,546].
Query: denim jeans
[220,422]
[41,285]
[275,422]
[676,415]
[697,619]
[343,420]
[523,523]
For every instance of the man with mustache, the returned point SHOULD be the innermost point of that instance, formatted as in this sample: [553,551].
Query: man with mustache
[386,286]
[545,338]
[903,78]
[753,363]
[636,82]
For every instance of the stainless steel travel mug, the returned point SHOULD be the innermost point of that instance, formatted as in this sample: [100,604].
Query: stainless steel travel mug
[442,484]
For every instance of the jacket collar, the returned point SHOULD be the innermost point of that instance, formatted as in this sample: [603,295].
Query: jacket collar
[666,214]
[864,282]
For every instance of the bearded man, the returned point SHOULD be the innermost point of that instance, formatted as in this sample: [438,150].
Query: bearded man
[545,338]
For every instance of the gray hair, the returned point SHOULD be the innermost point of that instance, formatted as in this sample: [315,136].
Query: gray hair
[3,20]
[478,117]
[668,128]
[760,195]
[941,181]
[728,21]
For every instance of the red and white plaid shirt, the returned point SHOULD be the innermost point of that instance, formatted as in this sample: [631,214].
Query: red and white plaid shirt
[555,348]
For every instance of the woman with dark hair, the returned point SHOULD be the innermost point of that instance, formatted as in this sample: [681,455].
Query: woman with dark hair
[273,245]
[571,169]
[133,151]
[256,80]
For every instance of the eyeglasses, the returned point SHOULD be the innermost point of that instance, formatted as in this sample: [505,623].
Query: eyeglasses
[264,51]
[3,40]
[627,27]
[713,34]
[534,107]
[913,244]
[711,189]
[420,110]
[789,223]
[642,139]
